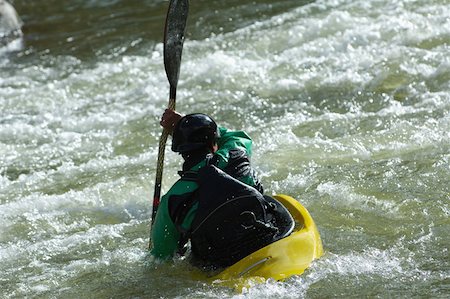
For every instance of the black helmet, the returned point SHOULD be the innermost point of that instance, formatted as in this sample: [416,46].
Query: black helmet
[194,131]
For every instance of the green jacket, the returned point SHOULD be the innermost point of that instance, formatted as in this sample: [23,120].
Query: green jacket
[165,235]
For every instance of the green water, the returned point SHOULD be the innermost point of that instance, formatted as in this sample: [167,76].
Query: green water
[347,102]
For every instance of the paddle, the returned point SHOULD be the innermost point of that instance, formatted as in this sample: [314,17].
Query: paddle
[173,47]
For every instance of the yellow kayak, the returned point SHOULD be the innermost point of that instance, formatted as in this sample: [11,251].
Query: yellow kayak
[281,259]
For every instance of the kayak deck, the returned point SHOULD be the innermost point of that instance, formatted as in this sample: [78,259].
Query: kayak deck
[286,257]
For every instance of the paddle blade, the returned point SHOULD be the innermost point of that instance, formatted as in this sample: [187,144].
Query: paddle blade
[174,38]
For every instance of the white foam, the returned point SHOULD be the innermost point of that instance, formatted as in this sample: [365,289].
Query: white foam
[342,195]
[327,87]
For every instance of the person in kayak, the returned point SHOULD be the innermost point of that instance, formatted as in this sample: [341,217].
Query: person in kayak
[218,203]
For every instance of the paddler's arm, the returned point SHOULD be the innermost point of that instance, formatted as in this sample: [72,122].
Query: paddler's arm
[227,144]
[164,234]
[232,140]
[169,119]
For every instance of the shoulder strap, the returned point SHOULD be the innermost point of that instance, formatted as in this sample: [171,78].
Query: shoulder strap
[192,175]
[189,175]
[179,216]
[212,159]
[187,203]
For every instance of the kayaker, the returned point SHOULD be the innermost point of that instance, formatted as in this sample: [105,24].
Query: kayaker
[218,202]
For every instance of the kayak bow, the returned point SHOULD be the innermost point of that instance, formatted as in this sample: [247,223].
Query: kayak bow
[286,257]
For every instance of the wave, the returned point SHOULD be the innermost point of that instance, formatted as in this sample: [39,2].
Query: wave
[10,27]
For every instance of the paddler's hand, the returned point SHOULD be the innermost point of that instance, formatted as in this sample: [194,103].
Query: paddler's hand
[169,119]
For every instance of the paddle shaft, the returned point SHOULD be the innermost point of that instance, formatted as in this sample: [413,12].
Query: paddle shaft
[161,153]
[173,47]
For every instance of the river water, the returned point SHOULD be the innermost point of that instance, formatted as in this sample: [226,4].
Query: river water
[347,101]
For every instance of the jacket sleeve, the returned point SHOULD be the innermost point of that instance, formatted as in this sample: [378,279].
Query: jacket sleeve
[232,140]
[164,234]
[236,147]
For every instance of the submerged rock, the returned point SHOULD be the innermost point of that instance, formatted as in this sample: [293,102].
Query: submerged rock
[10,23]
